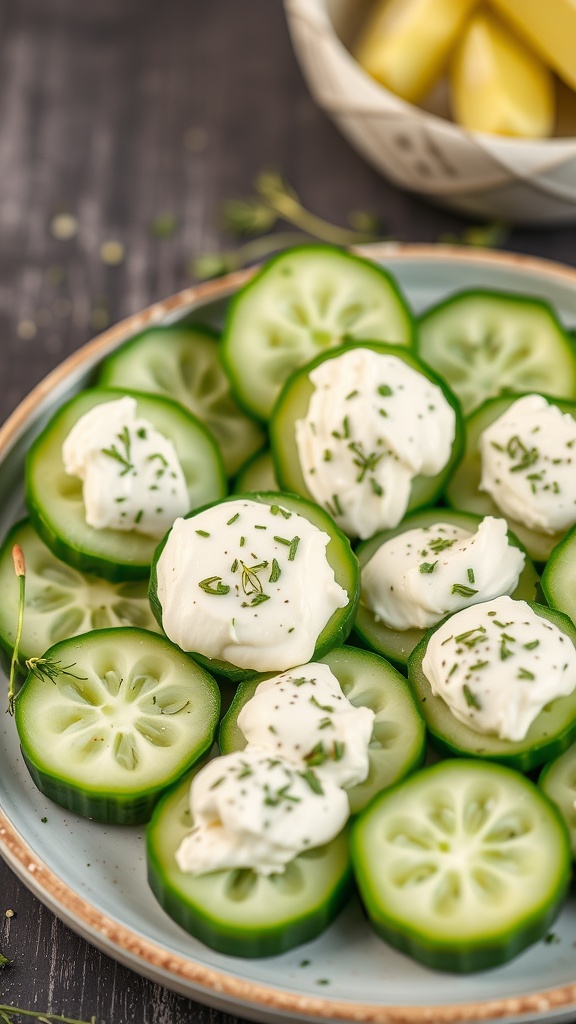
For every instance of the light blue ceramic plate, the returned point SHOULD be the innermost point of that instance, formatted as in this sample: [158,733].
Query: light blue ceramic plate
[94,878]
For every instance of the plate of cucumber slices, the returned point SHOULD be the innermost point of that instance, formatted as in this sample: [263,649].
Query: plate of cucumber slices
[111,717]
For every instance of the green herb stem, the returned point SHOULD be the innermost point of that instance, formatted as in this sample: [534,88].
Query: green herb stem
[20,570]
[9,1012]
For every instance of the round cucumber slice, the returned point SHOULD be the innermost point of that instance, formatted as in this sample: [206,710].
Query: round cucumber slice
[183,362]
[398,737]
[301,302]
[558,781]
[398,644]
[293,403]
[108,720]
[61,602]
[463,490]
[257,474]
[338,553]
[559,578]
[239,912]
[462,866]
[55,499]
[551,732]
[486,343]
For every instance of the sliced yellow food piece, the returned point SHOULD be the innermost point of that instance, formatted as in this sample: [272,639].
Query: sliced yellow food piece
[405,44]
[550,27]
[498,84]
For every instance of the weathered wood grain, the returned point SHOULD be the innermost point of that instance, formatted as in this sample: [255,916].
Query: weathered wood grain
[117,111]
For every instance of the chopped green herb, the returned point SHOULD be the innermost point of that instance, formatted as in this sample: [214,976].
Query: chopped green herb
[470,575]
[523,673]
[427,567]
[202,533]
[323,707]
[293,548]
[440,544]
[208,586]
[385,390]
[275,573]
[463,590]
[313,781]
[233,519]
[317,756]
[471,698]
[124,458]
[335,509]
[366,463]
[275,509]
[532,645]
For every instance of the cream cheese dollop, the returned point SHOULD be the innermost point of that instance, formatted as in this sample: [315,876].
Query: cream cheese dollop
[416,578]
[373,424]
[498,664]
[303,716]
[251,810]
[529,464]
[248,583]
[132,478]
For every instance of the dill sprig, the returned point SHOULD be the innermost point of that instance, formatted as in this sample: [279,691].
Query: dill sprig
[20,570]
[124,458]
[9,1013]
[275,200]
[48,669]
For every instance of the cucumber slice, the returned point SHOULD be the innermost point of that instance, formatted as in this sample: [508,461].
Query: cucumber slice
[558,781]
[338,552]
[397,746]
[183,362]
[486,343]
[108,720]
[301,302]
[463,490]
[559,578]
[61,602]
[293,403]
[550,734]
[398,644]
[55,499]
[257,474]
[239,912]
[462,866]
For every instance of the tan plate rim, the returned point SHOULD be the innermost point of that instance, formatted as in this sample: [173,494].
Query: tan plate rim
[118,940]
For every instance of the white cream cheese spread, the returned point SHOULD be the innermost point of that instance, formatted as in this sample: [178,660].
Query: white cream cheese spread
[416,578]
[529,464]
[253,810]
[373,424]
[303,716]
[248,583]
[498,664]
[132,478]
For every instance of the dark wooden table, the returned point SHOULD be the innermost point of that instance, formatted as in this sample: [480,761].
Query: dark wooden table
[119,112]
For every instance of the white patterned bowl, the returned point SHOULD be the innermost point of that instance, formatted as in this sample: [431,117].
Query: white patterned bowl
[514,180]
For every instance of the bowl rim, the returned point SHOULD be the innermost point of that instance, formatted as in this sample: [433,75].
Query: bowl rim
[300,9]
[118,940]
